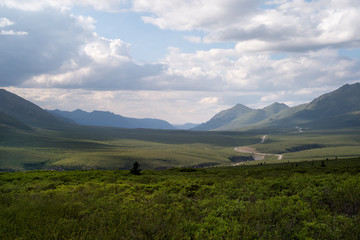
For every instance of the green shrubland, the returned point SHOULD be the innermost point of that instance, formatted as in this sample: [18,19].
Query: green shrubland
[285,201]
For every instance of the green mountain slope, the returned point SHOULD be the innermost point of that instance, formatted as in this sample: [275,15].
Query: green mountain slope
[224,117]
[240,116]
[27,112]
[6,120]
[254,116]
[337,109]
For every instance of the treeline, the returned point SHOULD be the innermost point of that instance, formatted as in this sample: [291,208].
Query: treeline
[302,201]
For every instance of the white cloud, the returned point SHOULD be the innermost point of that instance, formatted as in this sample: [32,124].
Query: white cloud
[284,26]
[190,15]
[49,39]
[4,22]
[225,70]
[209,100]
[61,50]
[287,26]
[193,39]
[38,5]
[12,32]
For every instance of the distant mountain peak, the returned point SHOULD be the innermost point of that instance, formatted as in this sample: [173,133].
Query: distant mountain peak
[274,108]
[77,111]
[240,106]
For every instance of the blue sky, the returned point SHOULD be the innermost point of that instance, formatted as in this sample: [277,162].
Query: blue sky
[179,60]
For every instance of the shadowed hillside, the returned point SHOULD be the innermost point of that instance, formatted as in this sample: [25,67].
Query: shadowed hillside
[27,112]
[108,119]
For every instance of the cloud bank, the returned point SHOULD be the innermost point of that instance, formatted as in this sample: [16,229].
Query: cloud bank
[283,50]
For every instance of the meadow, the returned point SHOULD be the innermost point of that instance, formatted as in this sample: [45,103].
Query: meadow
[83,147]
[304,200]
[114,148]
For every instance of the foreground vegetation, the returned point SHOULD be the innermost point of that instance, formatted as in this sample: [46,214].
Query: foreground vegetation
[308,200]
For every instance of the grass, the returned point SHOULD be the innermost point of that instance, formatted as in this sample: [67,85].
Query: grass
[114,148]
[311,145]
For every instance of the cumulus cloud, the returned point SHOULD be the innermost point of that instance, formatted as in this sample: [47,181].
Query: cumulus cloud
[104,64]
[209,100]
[62,50]
[190,15]
[4,22]
[12,32]
[38,5]
[226,70]
[51,38]
[56,49]
[283,26]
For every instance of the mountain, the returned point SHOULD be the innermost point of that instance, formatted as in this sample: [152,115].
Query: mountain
[224,117]
[340,108]
[186,126]
[108,119]
[22,112]
[341,101]
[6,120]
[240,116]
[337,109]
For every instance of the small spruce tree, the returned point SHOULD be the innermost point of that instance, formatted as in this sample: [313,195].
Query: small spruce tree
[135,169]
[323,164]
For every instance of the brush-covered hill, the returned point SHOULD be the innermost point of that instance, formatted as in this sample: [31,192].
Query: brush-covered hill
[108,119]
[240,116]
[22,112]
[337,109]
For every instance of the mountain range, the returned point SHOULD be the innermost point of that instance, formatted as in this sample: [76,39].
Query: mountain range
[337,109]
[240,116]
[108,119]
[20,113]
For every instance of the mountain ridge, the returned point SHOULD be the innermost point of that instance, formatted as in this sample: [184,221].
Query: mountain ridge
[240,115]
[27,112]
[339,108]
[109,119]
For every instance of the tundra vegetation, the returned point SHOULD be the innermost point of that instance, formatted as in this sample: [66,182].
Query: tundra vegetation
[302,200]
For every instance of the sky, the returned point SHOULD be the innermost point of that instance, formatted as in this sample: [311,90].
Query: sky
[177,60]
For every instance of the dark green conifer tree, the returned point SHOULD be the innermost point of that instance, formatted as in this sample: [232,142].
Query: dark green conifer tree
[135,169]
